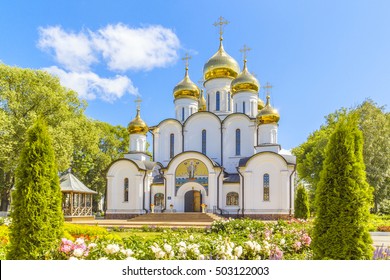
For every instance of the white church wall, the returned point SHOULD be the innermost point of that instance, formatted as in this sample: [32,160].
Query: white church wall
[162,139]
[185,107]
[193,134]
[247,129]
[116,176]
[227,188]
[279,172]
[246,103]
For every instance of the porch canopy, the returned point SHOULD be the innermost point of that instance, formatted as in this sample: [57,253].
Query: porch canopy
[77,198]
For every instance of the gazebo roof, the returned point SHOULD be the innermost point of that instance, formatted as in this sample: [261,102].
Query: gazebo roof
[69,183]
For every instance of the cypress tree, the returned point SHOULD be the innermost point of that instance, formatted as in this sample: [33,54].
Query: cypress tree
[301,204]
[37,219]
[343,198]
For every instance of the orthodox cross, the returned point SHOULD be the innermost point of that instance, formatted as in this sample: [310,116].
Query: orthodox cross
[267,87]
[244,50]
[221,23]
[138,102]
[186,58]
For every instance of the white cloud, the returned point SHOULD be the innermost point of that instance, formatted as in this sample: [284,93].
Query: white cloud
[90,86]
[127,48]
[73,51]
[116,47]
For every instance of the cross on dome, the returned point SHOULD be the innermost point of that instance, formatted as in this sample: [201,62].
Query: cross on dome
[244,50]
[221,23]
[138,102]
[186,58]
[267,87]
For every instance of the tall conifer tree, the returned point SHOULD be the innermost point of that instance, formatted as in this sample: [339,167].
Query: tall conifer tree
[302,209]
[343,198]
[37,219]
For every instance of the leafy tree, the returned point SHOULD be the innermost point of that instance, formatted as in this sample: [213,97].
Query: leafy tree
[374,123]
[24,95]
[343,198]
[302,210]
[37,219]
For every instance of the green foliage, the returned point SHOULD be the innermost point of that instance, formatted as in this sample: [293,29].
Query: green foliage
[85,231]
[384,207]
[302,210]
[374,123]
[37,219]
[343,198]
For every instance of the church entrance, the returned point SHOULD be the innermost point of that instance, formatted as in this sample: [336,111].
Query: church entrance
[192,201]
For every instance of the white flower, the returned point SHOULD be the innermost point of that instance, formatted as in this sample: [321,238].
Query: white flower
[201,257]
[167,248]
[160,254]
[127,252]
[182,244]
[238,251]
[191,237]
[282,241]
[78,252]
[92,245]
[112,249]
[79,241]
[171,254]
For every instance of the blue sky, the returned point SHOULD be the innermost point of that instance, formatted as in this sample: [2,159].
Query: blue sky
[319,55]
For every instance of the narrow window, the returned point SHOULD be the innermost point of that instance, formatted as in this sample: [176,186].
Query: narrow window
[251,108]
[208,102]
[172,145]
[182,114]
[126,190]
[229,101]
[238,142]
[232,199]
[236,107]
[243,107]
[217,100]
[204,141]
[266,187]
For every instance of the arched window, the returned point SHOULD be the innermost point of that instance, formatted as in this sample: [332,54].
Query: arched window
[266,187]
[243,107]
[159,200]
[232,199]
[204,141]
[182,114]
[238,142]
[172,145]
[217,101]
[208,102]
[236,107]
[126,190]
[251,108]
[229,101]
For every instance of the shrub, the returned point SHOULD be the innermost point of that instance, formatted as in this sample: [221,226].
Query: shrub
[301,204]
[37,219]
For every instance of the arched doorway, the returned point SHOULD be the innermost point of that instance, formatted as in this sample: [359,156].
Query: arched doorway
[192,201]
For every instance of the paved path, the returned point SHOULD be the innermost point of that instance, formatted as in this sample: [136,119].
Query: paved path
[381,238]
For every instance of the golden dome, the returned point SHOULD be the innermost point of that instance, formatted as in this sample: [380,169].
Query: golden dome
[137,125]
[260,104]
[220,65]
[201,102]
[245,81]
[186,88]
[268,114]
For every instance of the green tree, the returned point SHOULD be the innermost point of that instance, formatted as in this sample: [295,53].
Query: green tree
[24,95]
[343,198]
[302,209]
[374,123]
[37,219]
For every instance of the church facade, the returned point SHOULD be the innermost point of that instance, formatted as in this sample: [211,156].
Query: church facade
[219,154]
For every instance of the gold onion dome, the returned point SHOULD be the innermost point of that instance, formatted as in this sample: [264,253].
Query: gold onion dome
[220,65]
[186,88]
[137,125]
[260,104]
[268,114]
[245,81]
[202,102]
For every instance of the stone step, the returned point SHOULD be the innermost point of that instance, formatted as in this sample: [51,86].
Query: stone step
[174,217]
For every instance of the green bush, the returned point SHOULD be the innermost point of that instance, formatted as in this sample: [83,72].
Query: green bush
[302,208]
[384,207]
[37,219]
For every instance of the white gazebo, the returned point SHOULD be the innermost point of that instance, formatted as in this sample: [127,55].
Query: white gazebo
[76,199]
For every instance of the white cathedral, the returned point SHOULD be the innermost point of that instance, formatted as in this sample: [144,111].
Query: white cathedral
[219,154]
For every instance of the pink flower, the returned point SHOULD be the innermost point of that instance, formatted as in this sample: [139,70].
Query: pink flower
[297,245]
[306,240]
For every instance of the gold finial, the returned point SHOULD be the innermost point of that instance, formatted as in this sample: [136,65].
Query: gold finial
[267,87]
[138,102]
[244,50]
[221,23]
[186,58]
